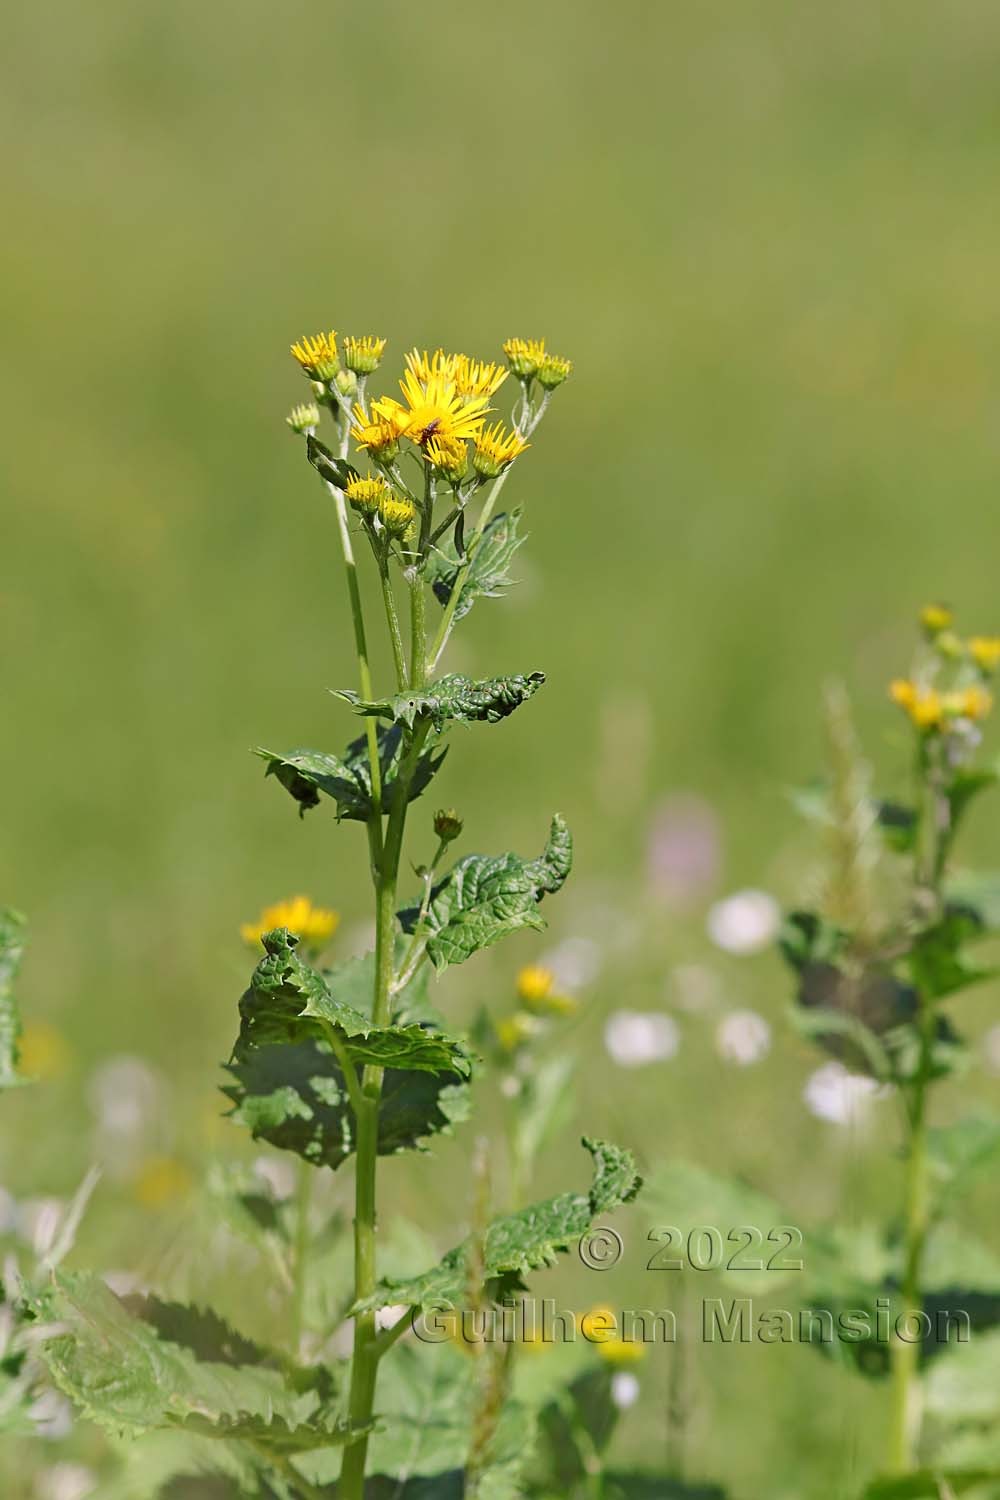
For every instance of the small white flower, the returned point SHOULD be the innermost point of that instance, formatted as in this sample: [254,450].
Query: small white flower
[65,1482]
[745,922]
[743,1037]
[840,1097]
[634,1038]
[624,1389]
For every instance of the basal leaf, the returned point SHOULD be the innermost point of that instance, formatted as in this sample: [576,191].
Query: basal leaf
[11,949]
[123,1375]
[289,1087]
[305,774]
[523,1241]
[453,699]
[484,897]
[488,574]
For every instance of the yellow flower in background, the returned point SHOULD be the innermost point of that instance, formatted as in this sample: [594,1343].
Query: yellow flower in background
[969,703]
[599,1327]
[367,494]
[936,617]
[363,355]
[985,652]
[524,356]
[434,409]
[317,354]
[924,706]
[495,449]
[477,377]
[425,367]
[903,692]
[161,1180]
[514,1030]
[536,990]
[42,1051]
[315,925]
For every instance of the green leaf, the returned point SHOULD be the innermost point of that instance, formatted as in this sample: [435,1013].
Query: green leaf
[306,773]
[523,1241]
[336,471]
[289,1085]
[488,574]
[965,786]
[454,699]
[484,897]
[979,889]
[962,1151]
[938,962]
[11,949]
[930,1483]
[807,938]
[126,1378]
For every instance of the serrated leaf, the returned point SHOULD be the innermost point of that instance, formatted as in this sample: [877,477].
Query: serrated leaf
[452,699]
[347,781]
[488,573]
[289,1087]
[11,950]
[524,1241]
[336,471]
[126,1378]
[485,897]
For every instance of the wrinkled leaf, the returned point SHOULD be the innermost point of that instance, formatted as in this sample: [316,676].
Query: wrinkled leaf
[524,1241]
[306,773]
[11,949]
[488,574]
[484,897]
[453,699]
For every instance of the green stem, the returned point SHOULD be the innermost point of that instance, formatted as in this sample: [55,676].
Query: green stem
[392,618]
[300,1269]
[904,1419]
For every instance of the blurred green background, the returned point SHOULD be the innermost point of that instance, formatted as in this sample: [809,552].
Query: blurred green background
[768,237]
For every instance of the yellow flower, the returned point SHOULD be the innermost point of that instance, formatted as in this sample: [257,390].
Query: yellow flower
[367,495]
[378,433]
[495,449]
[363,355]
[397,516]
[622,1351]
[903,692]
[315,925]
[515,1029]
[160,1181]
[433,409]
[425,367]
[553,370]
[303,418]
[477,378]
[969,703]
[599,1326]
[524,356]
[985,652]
[924,706]
[935,618]
[449,458]
[317,354]
[42,1051]
[536,990]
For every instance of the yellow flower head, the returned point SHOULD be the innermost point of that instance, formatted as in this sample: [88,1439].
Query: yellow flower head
[433,409]
[397,516]
[363,355]
[924,706]
[969,703]
[315,925]
[513,1030]
[317,354]
[42,1051]
[367,495]
[935,618]
[903,692]
[161,1181]
[599,1326]
[985,652]
[379,433]
[303,418]
[553,370]
[537,992]
[449,457]
[425,367]
[495,449]
[524,356]
[477,378]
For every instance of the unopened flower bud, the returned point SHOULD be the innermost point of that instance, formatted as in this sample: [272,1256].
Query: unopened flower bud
[304,418]
[363,355]
[346,382]
[552,371]
[447,824]
[397,516]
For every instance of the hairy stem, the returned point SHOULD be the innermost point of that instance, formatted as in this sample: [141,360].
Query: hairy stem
[392,619]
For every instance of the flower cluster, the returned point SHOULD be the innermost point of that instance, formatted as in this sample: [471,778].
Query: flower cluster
[538,998]
[946,694]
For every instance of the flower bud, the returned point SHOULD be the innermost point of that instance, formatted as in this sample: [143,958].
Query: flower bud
[317,355]
[363,355]
[524,356]
[934,618]
[552,371]
[346,382]
[447,824]
[304,418]
[397,516]
[367,496]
